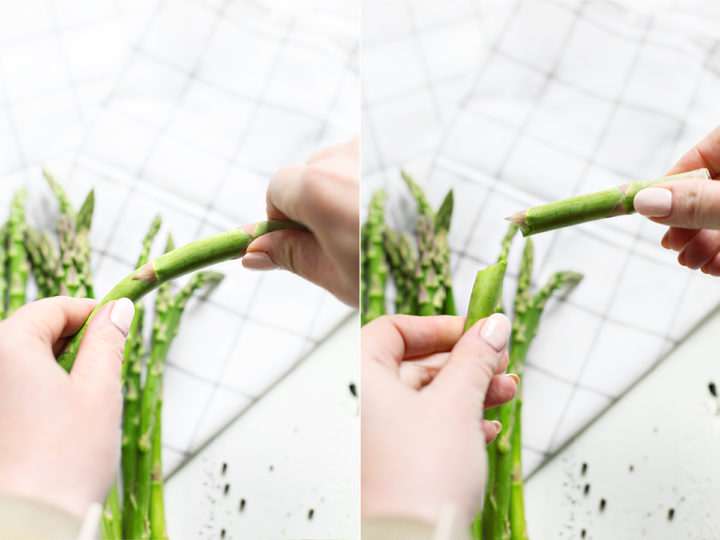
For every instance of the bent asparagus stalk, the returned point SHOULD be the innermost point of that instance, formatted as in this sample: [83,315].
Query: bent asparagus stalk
[617,201]
[193,256]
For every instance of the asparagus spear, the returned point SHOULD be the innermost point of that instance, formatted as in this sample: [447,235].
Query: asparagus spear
[134,351]
[401,259]
[364,239]
[111,516]
[193,256]
[3,269]
[82,257]
[168,321]
[617,201]
[518,529]
[43,262]
[157,501]
[18,265]
[377,266]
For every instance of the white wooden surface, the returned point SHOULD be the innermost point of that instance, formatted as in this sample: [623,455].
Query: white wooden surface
[295,451]
[654,457]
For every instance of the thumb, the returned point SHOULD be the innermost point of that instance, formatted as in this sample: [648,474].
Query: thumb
[298,252]
[691,203]
[99,360]
[474,360]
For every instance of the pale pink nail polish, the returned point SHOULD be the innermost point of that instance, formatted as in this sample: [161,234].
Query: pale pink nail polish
[122,314]
[257,260]
[653,202]
[496,331]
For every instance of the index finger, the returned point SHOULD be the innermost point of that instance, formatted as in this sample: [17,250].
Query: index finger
[40,324]
[394,338]
[706,154]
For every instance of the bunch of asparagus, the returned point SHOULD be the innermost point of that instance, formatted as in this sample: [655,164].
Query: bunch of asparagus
[63,267]
[421,276]
[424,288]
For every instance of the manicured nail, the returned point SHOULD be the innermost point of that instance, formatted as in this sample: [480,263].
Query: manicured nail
[496,331]
[122,314]
[704,269]
[257,260]
[681,258]
[514,378]
[653,202]
[665,242]
[497,425]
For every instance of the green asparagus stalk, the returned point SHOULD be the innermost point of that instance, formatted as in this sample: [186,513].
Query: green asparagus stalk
[444,213]
[3,269]
[43,262]
[364,245]
[402,264]
[484,296]
[429,284]
[423,205]
[82,257]
[111,517]
[617,201]
[377,266]
[134,351]
[163,333]
[18,265]
[193,256]
[157,501]
[518,528]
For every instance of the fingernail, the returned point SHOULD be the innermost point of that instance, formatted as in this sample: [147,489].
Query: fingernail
[704,269]
[665,242]
[496,331]
[653,202]
[497,425]
[258,260]
[681,259]
[122,314]
[514,378]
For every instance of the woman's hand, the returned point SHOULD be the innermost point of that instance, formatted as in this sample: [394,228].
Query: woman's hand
[323,194]
[425,386]
[691,207]
[60,438]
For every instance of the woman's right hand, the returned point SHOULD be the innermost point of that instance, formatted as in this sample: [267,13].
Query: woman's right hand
[691,207]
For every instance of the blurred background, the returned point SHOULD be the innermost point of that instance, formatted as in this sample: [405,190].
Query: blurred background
[185,108]
[514,104]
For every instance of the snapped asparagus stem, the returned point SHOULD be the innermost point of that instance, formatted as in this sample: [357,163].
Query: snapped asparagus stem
[18,265]
[183,260]
[168,322]
[484,296]
[616,201]
[377,266]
